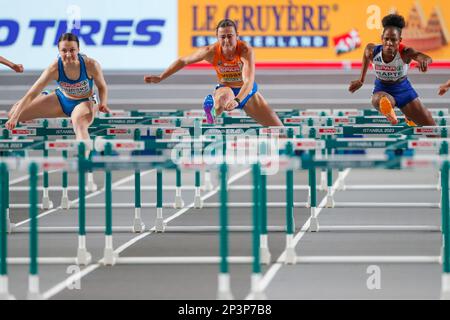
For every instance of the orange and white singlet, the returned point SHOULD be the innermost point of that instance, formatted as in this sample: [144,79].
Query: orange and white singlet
[228,71]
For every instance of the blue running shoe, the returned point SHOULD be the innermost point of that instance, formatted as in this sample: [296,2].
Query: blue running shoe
[208,106]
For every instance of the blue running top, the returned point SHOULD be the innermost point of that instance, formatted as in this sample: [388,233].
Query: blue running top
[75,88]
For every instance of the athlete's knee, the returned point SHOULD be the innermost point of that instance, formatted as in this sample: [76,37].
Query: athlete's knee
[80,124]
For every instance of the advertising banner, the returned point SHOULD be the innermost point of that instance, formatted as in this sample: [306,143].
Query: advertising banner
[121,35]
[315,30]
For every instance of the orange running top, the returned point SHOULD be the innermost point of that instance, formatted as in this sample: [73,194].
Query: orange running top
[228,71]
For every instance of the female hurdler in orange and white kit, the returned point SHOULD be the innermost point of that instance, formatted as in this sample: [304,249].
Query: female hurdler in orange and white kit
[234,63]
[390,61]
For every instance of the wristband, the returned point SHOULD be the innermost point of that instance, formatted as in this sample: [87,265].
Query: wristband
[238,101]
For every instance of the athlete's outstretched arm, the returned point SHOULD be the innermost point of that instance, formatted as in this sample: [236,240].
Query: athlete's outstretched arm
[100,82]
[422,59]
[444,88]
[367,58]
[16,67]
[49,74]
[248,76]
[201,54]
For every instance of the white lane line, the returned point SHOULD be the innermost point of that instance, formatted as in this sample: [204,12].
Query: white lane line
[96,193]
[78,276]
[270,274]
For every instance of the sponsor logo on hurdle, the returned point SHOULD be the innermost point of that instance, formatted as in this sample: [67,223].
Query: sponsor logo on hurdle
[417,163]
[308,144]
[422,144]
[329,131]
[23,132]
[293,120]
[111,131]
[426,130]
[309,113]
[67,145]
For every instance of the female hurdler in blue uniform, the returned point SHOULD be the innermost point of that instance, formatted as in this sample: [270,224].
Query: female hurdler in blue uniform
[390,61]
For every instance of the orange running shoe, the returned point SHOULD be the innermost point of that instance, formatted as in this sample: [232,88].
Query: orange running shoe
[410,123]
[387,110]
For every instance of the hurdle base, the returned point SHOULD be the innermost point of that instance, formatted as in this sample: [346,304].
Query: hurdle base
[178,203]
[109,257]
[9,225]
[445,286]
[83,257]
[314,221]
[33,288]
[207,187]
[265,256]
[291,256]
[160,225]
[330,201]
[198,202]
[65,203]
[91,187]
[138,226]
[46,203]
[224,291]
[256,293]
[340,181]
[4,293]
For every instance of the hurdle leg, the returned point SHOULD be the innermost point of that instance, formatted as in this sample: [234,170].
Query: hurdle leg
[65,203]
[46,202]
[160,226]
[4,286]
[264,243]
[256,293]
[83,256]
[91,186]
[9,225]
[109,257]
[224,288]
[207,182]
[138,225]
[314,222]
[330,200]
[323,180]
[33,279]
[198,202]
[178,203]
[341,181]
[291,256]
[445,285]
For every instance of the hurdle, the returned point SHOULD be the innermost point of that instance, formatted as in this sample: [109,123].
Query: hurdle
[441,161]
[32,165]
